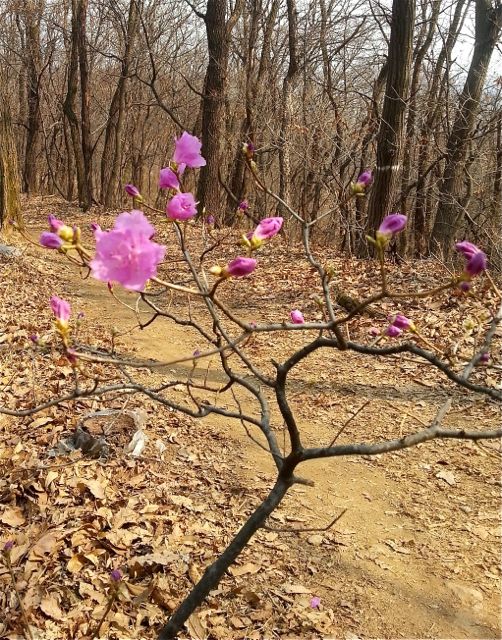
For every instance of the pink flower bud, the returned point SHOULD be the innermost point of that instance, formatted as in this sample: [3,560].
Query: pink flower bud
[268,228]
[239,267]
[243,205]
[315,602]
[8,546]
[50,240]
[168,179]
[132,191]
[485,357]
[210,219]
[476,264]
[366,178]
[116,575]
[248,149]
[391,225]
[297,317]
[392,331]
[477,261]
[403,323]
[54,223]
[374,331]
[182,206]
[61,309]
[465,286]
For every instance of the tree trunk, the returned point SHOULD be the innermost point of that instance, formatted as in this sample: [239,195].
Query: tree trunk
[218,31]
[84,101]
[69,112]
[390,134]
[111,160]
[33,65]
[434,104]
[287,107]
[487,32]
[10,208]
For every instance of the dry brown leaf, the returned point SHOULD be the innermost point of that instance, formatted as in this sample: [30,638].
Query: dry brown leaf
[50,606]
[195,627]
[76,562]
[295,588]
[13,516]
[241,570]
[95,487]
[46,544]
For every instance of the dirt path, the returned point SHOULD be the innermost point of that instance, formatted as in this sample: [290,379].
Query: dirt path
[398,557]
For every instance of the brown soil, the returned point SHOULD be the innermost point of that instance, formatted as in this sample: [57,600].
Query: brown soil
[416,554]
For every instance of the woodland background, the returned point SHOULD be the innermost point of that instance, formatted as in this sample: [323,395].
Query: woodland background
[93,93]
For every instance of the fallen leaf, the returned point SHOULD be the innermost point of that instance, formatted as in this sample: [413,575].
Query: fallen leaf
[195,627]
[241,570]
[13,517]
[50,606]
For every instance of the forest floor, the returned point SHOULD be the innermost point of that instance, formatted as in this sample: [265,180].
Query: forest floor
[415,555]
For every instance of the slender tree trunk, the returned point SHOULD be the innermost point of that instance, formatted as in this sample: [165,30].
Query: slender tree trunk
[218,30]
[10,208]
[88,190]
[71,116]
[390,134]
[487,32]
[33,65]
[111,160]
[287,106]
[434,103]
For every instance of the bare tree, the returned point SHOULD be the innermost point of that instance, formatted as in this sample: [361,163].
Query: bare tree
[390,133]
[488,25]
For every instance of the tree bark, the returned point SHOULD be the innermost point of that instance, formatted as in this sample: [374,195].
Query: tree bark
[84,103]
[218,30]
[434,103]
[390,134]
[71,116]
[287,107]
[487,32]
[10,207]
[31,20]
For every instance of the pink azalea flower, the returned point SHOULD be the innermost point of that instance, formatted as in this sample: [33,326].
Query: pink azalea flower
[61,309]
[126,254]
[366,178]
[476,264]
[182,206]
[477,261]
[50,240]
[403,323]
[210,219]
[54,223]
[132,191]
[392,331]
[239,267]
[297,317]
[187,151]
[168,179]
[315,602]
[391,225]
[268,228]
[467,249]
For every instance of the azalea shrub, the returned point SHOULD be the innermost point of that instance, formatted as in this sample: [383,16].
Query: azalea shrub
[129,255]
